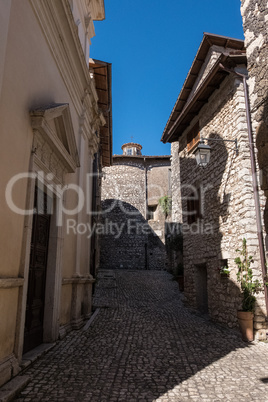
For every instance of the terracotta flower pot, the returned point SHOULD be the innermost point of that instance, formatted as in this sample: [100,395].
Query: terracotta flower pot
[245,320]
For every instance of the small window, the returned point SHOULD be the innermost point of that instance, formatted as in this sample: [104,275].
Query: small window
[193,137]
[129,151]
[151,211]
[194,207]
[224,264]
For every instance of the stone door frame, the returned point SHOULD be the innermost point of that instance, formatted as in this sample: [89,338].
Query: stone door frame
[52,157]
[54,264]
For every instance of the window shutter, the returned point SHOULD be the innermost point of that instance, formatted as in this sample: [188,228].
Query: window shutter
[193,137]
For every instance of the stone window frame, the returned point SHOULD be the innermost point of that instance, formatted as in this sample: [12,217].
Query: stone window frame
[129,151]
[151,209]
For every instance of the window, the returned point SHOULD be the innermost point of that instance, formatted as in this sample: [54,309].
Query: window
[193,137]
[194,207]
[151,211]
[129,151]
[224,263]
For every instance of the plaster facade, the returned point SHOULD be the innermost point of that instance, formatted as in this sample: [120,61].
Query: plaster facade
[49,136]
[133,223]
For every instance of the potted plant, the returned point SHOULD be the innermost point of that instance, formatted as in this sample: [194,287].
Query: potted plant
[248,288]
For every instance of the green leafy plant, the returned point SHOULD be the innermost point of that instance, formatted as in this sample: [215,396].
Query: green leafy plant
[245,277]
[165,204]
[224,270]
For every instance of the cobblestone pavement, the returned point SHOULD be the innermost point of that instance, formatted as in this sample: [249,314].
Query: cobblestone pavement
[143,345]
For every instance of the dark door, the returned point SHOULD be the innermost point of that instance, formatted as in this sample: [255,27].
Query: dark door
[201,288]
[33,335]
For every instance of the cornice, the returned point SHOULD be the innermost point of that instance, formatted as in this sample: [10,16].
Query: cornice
[87,20]
[97,9]
[66,49]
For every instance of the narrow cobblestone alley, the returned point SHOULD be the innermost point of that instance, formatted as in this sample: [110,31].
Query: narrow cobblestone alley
[144,345]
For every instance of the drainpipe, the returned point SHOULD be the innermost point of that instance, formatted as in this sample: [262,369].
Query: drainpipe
[145,188]
[254,181]
[146,212]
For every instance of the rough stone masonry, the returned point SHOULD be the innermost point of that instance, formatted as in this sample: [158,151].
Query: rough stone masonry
[133,234]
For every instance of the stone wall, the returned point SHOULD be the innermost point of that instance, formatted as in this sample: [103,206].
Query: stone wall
[255,23]
[227,206]
[129,240]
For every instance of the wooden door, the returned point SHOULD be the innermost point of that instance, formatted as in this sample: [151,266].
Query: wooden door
[201,288]
[33,334]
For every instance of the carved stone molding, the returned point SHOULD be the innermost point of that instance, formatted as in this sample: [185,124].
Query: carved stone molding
[54,142]
[78,280]
[7,283]
[66,48]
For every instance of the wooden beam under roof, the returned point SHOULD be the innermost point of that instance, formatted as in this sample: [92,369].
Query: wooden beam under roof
[234,46]
[103,83]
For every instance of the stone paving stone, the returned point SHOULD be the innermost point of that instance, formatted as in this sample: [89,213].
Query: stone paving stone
[144,345]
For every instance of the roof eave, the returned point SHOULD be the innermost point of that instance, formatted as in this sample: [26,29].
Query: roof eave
[207,42]
[169,136]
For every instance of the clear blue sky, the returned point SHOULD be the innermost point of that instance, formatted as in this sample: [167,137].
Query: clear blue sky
[151,45]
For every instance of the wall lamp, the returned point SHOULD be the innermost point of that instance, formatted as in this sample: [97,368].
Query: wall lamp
[202,151]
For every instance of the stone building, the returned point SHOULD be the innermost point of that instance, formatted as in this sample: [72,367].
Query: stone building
[215,204]
[50,134]
[133,224]
[255,23]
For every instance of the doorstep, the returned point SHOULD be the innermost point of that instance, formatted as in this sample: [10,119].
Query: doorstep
[34,354]
[13,387]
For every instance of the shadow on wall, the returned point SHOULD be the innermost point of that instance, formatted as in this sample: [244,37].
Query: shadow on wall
[174,248]
[262,147]
[210,233]
[127,241]
[203,207]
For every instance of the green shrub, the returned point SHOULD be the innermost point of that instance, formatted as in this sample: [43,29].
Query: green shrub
[245,278]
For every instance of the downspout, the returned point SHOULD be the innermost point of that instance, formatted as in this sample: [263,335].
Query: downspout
[145,188]
[146,212]
[254,181]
